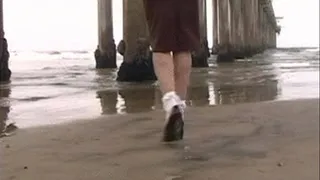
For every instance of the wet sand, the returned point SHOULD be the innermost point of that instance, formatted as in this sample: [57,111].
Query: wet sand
[266,140]
[67,85]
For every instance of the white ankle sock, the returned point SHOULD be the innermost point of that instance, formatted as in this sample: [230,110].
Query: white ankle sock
[169,100]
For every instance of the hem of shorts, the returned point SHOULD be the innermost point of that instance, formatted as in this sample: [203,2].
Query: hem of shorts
[172,50]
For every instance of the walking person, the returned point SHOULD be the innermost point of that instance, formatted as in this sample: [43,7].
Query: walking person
[174,34]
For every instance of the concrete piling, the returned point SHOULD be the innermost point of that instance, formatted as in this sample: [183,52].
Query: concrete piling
[105,53]
[255,25]
[203,18]
[137,64]
[5,72]
[200,58]
[1,19]
[263,30]
[260,27]
[243,28]
[269,24]
[237,29]
[135,31]
[250,27]
[273,39]
[224,38]
[246,26]
[215,26]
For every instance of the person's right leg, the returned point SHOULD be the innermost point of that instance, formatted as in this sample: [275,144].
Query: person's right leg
[188,38]
[182,69]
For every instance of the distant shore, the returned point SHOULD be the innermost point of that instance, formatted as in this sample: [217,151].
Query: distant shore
[267,140]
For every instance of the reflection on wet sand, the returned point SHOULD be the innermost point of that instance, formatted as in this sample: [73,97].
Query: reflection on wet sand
[108,100]
[4,108]
[245,82]
[236,83]
[241,94]
[127,100]
[5,128]
[138,100]
[198,96]
[148,99]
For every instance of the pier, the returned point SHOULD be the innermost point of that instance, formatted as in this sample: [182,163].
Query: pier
[241,28]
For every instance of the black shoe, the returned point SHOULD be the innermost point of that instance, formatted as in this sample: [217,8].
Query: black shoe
[173,129]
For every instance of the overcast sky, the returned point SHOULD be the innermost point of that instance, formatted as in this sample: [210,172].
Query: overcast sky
[72,24]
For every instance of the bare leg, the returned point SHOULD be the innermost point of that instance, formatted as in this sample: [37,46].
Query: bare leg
[182,69]
[164,69]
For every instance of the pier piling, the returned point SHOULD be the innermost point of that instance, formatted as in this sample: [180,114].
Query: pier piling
[242,28]
[5,72]
[215,27]
[200,58]
[224,38]
[105,53]
[137,64]
[237,29]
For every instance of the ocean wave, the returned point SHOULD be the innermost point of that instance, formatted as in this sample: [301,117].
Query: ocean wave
[54,55]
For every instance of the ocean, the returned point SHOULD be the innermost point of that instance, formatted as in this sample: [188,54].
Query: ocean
[54,87]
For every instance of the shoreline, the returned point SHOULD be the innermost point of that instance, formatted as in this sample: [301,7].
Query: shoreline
[264,140]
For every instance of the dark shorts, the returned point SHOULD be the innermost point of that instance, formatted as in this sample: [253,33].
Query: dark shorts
[173,25]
